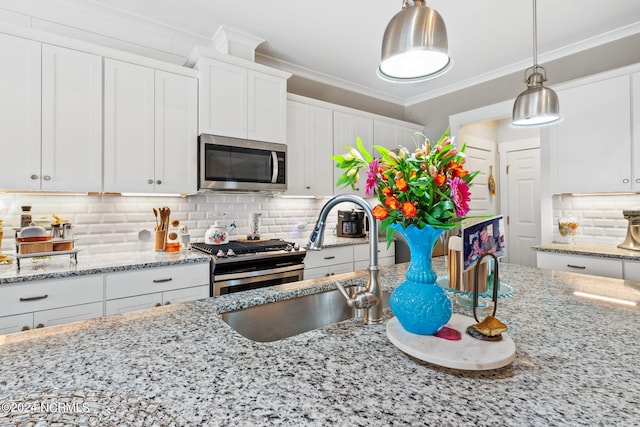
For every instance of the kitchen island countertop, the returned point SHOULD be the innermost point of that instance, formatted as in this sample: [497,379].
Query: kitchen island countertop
[576,362]
[589,249]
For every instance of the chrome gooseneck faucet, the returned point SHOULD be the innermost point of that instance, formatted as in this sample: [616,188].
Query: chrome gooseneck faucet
[370,298]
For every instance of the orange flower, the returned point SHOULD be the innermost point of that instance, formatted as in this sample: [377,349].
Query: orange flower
[387,191]
[409,210]
[379,212]
[401,184]
[440,179]
[413,174]
[392,203]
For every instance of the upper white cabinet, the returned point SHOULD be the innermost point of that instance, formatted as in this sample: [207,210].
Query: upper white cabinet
[241,102]
[309,150]
[635,129]
[150,131]
[390,135]
[52,106]
[346,128]
[591,147]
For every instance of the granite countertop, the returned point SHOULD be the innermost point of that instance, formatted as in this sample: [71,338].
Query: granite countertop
[61,266]
[576,363]
[595,250]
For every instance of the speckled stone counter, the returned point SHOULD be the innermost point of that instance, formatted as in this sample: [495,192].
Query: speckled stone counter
[61,266]
[576,362]
[600,251]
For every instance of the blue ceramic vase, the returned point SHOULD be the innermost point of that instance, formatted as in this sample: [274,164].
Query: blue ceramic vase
[421,306]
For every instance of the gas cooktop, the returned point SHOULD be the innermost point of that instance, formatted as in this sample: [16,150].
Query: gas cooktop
[236,250]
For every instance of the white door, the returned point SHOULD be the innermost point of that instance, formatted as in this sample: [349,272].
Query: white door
[128,128]
[480,156]
[20,112]
[71,120]
[176,133]
[523,216]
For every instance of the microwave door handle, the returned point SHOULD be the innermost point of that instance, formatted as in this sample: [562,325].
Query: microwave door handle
[274,162]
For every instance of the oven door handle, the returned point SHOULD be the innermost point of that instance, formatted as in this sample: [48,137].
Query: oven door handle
[257,273]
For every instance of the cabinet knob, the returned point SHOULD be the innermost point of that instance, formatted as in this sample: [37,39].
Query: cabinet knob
[625,181]
[637,180]
[46,178]
[159,182]
[40,326]
[308,187]
[150,181]
[167,303]
[26,328]
[34,176]
[159,305]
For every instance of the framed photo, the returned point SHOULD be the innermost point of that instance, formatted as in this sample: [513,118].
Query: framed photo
[479,238]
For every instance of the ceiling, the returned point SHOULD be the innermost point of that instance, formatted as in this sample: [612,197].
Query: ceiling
[338,42]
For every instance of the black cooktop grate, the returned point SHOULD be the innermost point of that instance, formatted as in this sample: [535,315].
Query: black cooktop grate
[244,247]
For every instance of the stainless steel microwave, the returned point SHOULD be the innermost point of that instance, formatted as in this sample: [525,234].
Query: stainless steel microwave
[238,164]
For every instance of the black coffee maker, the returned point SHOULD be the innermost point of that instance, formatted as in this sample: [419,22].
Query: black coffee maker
[351,223]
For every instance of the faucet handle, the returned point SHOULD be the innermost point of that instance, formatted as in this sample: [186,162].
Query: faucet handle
[362,299]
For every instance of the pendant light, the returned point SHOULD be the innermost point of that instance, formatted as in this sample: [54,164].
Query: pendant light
[537,105]
[414,46]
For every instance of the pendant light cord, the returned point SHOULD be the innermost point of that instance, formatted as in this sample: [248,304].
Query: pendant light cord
[535,37]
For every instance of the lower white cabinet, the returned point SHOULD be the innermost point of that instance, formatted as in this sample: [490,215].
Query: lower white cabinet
[344,259]
[50,302]
[606,267]
[631,270]
[136,290]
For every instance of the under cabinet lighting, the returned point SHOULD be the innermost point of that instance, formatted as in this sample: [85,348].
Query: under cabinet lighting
[605,299]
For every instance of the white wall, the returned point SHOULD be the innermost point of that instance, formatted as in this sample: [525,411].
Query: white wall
[104,224]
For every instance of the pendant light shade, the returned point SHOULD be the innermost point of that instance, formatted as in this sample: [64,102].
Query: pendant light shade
[414,46]
[537,105]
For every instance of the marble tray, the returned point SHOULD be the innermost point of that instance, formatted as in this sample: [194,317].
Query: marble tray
[468,354]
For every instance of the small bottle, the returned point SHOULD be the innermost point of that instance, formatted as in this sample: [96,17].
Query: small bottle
[25,217]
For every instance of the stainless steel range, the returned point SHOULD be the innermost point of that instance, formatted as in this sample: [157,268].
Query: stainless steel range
[244,265]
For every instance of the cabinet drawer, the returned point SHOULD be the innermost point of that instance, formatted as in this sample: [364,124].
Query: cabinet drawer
[16,323]
[631,270]
[329,256]
[581,264]
[140,302]
[364,264]
[361,252]
[74,313]
[48,294]
[130,283]
[330,270]
[184,295]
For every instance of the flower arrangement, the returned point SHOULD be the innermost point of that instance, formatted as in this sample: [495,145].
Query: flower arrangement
[427,186]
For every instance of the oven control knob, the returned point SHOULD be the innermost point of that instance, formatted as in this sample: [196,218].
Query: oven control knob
[231,253]
[220,253]
[296,247]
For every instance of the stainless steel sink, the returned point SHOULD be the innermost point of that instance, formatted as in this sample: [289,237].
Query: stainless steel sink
[283,319]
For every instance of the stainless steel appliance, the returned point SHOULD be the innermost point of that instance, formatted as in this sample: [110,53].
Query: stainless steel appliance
[239,164]
[244,265]
[351,223]
[632,241]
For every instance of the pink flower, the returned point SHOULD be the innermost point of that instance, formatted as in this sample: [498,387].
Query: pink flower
[460,195]
[372,175]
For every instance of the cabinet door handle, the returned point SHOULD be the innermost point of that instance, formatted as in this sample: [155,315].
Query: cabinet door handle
[167,303]
[159,181]
[149,181]
[34,298]
[26,328]
[158,304]
[637,180]
[162,280]
[40,326]
[34,176]
[625,181]
[330,257]
[579,267]
[46,178]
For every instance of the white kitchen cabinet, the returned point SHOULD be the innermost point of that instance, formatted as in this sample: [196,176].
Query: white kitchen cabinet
[136,290]
[631,270]
[346,128]
[635,129]
[391,135]
[581,264]
[386,256]
[20,105]
[52,106]
[309,150]
[50,302]
[240,102]
[150,130]
[328,261]
[591,147]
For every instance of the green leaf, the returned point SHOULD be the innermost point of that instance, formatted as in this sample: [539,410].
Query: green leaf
[367,156]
